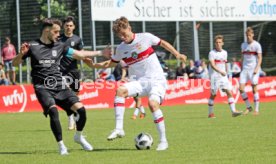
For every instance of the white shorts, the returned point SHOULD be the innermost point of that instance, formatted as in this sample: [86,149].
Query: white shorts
[248,75]
[147,88]
[220,83]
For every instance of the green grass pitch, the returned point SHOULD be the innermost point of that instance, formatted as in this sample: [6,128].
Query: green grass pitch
[193,138]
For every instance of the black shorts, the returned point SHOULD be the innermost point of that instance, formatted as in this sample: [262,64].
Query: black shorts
[74,81]
[63,98]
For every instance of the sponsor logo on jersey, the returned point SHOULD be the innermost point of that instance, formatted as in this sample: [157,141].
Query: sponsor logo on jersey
[138,46]
[54,53]
[72,43]
[46,61]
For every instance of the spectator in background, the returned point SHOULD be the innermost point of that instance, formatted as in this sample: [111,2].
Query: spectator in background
[235,67]
[3,79]
[105,74]
[8,53]
[205,74]
[201,71]
[181,71]
[191,69]
[198,69]
[161,56]
[118,72]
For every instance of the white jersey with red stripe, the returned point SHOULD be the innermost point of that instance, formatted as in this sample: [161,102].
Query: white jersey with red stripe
[250,54]
[140,57]
[220,59]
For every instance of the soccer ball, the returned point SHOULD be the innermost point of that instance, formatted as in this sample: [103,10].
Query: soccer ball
[143,141]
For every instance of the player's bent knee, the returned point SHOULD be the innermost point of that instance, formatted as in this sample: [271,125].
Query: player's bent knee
[53,113]
[154,102]
[77,106]
[82,111]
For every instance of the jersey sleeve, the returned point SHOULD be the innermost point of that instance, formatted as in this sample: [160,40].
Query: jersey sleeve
[117,57]
[259,48]
[242,47]
[68,51]
[211,56]
[226,57]
[154,40]
[80,45]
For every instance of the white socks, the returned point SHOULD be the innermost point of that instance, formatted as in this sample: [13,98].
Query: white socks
[256,101]
[142,110]
[160,124]
[231,102]
[245,99]
[211,106]
[119,107]
[136,112]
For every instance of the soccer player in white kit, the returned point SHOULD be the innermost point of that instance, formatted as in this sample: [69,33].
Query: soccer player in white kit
[145,73]
[251,65]
[218,77]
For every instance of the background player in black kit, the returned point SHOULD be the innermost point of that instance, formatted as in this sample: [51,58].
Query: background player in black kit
[50,89]
[69,66]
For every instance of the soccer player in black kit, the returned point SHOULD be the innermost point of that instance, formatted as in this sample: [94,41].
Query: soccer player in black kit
[46,53]
[69,66]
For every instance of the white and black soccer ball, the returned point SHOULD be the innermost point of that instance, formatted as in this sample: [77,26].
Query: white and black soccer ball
[143,141]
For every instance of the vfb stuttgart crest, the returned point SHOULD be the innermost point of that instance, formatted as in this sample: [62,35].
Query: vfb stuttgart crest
[72,44]
[54,53]
[134,55]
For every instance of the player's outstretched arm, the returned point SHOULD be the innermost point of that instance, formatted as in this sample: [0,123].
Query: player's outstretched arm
[105,64]
[23,51]
[173,51]
[80,55]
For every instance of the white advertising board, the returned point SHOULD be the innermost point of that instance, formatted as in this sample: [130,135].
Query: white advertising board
[184,10]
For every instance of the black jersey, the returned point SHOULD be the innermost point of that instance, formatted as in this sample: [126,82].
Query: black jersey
[68,64]
[45,62]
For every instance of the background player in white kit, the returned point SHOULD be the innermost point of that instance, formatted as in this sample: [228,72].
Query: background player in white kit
[145,73]
[251,65]
[218,76]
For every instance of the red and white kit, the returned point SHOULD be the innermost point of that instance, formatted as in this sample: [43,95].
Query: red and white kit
[250,59]
[217,80]
[145,72]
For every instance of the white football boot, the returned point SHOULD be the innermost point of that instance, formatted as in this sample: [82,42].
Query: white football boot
[116,133]
[162,146]
[82,141]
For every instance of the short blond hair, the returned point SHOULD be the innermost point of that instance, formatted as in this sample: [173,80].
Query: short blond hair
[119,24]
[249,30]
[219,37]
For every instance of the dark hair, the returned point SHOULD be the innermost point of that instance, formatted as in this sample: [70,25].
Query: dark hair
[49,22]
[69,19]
[119,24]
[2,64]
